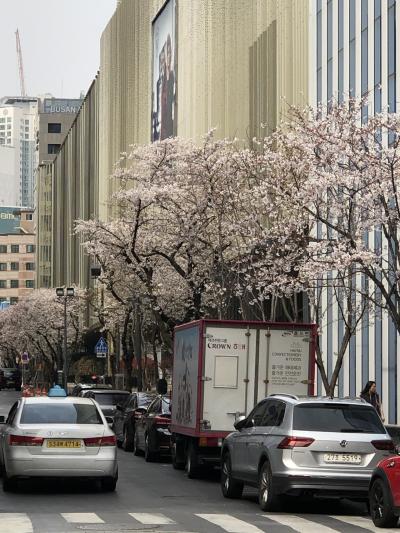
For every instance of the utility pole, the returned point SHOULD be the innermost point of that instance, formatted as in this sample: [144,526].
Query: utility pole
[20,64]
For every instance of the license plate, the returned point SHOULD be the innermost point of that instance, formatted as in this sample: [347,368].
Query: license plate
[63,443]
[352,458]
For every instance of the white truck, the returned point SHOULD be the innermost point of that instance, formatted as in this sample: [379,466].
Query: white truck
[221,369]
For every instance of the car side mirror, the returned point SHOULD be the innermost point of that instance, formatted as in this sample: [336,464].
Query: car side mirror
[2,419]
[240,422]
[109,420]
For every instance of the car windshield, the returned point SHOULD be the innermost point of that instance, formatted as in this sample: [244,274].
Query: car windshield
[60,413]
[111,398]
[145,399]
[339,418]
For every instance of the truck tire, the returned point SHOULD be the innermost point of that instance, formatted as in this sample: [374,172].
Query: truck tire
[176,454]
[230,487]
[191,466]
[267,498]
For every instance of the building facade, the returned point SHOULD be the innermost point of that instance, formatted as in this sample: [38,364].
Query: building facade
[356,52]
[17,254]
[18,120]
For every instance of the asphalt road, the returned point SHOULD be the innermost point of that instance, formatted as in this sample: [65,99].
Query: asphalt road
[152,497]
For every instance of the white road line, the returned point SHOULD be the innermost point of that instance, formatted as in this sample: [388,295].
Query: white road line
[359,521]
[300,524]
[230,523]
[82,518]
[155,519]
[15,523]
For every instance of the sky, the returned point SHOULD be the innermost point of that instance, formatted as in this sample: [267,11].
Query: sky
[60,41]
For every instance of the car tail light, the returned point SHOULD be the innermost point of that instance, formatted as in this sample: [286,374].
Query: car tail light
[100,441]
[288,443]
[162,420]
[387,445]
[24,440]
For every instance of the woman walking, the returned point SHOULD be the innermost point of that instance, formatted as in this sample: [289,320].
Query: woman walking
[370,395]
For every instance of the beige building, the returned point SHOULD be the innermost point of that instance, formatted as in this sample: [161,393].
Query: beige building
[236,64]
[17,254]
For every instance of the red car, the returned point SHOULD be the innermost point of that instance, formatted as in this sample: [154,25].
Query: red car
[384,492]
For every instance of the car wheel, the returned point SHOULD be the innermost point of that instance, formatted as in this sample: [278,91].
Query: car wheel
[191,466]
[176,464]
[109,484]
[127,442]
[380,505]
[267,498]
[148,454]
[231,488]
[8,483]
[136,450]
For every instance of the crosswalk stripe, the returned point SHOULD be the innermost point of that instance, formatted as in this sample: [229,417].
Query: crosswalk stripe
[15,523]
[82,518]
[230,523]
[300,524]
[155,519]
[359,521]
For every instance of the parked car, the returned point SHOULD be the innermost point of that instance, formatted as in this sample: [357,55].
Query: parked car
[126,416]
[291,445]
[394,432]
[79,387]
[152,435]
[57,437]
[384,493]
[11,378]
[108,399]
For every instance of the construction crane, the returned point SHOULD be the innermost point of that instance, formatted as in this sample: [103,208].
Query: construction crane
[20,64]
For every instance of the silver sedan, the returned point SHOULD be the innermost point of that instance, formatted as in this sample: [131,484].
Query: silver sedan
[57,437]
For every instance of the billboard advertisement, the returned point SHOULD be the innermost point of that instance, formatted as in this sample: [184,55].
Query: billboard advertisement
[163,116]
[61,105]
[10,220]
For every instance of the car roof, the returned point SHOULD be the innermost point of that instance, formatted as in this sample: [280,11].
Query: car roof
[295,400]
[110,391]
[53,399]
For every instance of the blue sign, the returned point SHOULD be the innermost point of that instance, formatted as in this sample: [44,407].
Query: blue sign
[101,346]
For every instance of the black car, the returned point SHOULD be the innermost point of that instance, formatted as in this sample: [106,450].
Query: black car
[152,435]
[10,379]
[108,399]
[126,416]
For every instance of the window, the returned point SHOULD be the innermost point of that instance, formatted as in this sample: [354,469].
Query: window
[3,284]
[30,266]
[30,284]
[274,413]
[30,248]
[3,248]
[29,216]
[53,148]
[338,418]
[256,416]
[13,300]
[14,284]
[3,266]
[14,266]
[60,413]
[53,127]
[14,248]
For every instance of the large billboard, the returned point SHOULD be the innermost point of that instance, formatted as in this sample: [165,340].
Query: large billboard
[61,105]
[10,220]
[163,116]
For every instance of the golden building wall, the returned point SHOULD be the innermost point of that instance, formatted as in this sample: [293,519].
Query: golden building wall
[239,64]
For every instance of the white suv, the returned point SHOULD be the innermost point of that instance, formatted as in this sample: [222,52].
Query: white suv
[317,445]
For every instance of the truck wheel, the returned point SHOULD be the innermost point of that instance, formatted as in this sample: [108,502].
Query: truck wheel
[381,509]
[267,498]
[191,467]
[175,456]
[231,488]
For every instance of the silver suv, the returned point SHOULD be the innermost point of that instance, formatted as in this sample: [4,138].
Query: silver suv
[316,446]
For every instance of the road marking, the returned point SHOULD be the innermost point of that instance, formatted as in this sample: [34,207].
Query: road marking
[359,521]
[15,523]
[155,519]
[82,518]
[230,523]
[300,524]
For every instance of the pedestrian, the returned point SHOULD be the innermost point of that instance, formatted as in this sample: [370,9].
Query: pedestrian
[370,395]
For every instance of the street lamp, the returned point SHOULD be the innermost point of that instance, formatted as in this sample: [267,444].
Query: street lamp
[69,292]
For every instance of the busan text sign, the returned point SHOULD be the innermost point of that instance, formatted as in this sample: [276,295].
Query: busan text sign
[10,220]
[53,105]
